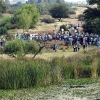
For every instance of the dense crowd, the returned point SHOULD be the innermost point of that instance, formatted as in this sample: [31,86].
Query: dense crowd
[75,36]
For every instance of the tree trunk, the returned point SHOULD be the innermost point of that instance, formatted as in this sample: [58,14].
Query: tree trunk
[38,51]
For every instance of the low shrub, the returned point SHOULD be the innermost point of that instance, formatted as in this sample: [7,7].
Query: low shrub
[48,20]
[21,47]
[72,12]
[63,27]
[3,30]
[81,17]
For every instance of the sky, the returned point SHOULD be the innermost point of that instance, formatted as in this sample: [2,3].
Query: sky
[75,0]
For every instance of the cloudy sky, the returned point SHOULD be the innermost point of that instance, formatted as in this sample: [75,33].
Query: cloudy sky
[74,0]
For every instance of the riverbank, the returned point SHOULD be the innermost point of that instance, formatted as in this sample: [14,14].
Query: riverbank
[72,89]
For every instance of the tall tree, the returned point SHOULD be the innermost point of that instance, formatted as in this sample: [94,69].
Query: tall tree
[93,2]
[28,15]
[59,11]
[92,18]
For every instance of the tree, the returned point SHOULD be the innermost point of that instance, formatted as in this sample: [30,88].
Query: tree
[3,6]
[91,2]
[92,18]
[21,47]
[59,11]
[28,15]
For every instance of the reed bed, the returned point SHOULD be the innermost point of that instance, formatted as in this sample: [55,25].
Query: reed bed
[25,73]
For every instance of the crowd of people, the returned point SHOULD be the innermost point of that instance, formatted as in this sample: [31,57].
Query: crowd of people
[75,36]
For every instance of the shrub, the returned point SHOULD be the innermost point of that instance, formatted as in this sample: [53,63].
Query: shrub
[48,20]
[72,12]
[4,21]
[0,15]
[3,31]
[8,25]
[17,47]
[81,17]
[63,27]
[21,47]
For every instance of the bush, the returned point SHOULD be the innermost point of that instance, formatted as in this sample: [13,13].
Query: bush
[63,27]
[21,47]
[0,15]
[72,12]
[8,26]
[17,47]
[48,20]
[81,17]
[3,31]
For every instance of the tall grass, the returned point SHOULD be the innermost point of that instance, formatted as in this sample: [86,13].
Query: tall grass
[24,73]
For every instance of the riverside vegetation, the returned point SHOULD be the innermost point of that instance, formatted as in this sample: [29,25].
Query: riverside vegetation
[25,73]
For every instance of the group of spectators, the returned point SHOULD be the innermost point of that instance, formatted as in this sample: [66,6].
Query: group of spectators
[75,36]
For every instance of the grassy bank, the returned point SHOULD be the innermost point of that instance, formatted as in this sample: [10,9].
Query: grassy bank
[51,92]
[25,73]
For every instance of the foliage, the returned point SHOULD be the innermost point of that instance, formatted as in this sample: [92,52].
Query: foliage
[81,17]
[3,6]
[91,13]
[91,17]
[12,10]
[8,26]
[96,25]
[24,73]
[21,47]
[28,15]
[91,2]
[0,15]
[4,21]
[44,8]
[3,30]
[31,47]
[48,20]
[63,27]
[72,12]
[17,47]
[59,11]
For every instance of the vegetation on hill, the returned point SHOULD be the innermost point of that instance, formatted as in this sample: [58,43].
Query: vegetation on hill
[59,11]
[91,17]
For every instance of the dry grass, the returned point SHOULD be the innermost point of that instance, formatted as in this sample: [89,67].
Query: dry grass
[41,27]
